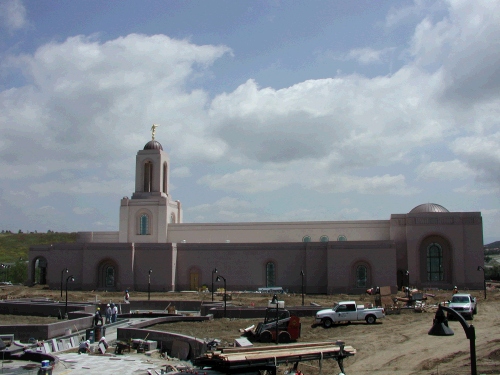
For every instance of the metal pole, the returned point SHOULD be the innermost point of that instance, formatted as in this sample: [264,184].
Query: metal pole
[225,296]
[62,274]
[470,333]
[213,271]
[66,308]
[149,284]
[302,276]
[277,316]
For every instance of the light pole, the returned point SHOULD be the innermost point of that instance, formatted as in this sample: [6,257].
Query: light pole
[219,277]
[480,268]
[62,274]
[3,266]
[68,279]
[440,328]
[149,283]
[275,300]
[213,271]
[302,276]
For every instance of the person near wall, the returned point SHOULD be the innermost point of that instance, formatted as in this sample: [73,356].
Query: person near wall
[114,313]
[104,343]
[98,317]
[84,347]
[455,289]
[108,313]
[126,298]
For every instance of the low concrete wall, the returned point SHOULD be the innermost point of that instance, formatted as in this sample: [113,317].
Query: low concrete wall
[178,346]
[36,307]
[235,312]
[46,331]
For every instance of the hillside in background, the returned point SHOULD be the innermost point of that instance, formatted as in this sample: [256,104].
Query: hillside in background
[15,246]
[493,245]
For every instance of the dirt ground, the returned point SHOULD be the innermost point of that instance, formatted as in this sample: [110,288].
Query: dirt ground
[398,344]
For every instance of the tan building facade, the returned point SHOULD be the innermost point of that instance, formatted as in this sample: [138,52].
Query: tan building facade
[429,247]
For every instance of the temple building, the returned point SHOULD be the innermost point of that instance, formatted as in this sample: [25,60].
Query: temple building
[427,247]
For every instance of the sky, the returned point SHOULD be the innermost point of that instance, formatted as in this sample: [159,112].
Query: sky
[269,110]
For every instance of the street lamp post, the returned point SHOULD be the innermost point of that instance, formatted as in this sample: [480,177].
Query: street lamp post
[66,308]
[213,271]
[440,328]
[3,266]
[219,277]
[302,276]
[480,268]
[149,283]
[275,300]
[62,274]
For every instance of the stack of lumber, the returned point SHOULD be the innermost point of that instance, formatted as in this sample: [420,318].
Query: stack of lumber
[228,359]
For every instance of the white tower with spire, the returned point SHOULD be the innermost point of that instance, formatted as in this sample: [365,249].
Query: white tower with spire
[145,216]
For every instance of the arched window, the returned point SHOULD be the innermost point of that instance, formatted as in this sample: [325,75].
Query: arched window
[361,276]
[270,275]
[306,239]
[148,177]
[144,224]
[110,276]
[172,218]
[434,262]
[324,239]
[165,176]
[342,238]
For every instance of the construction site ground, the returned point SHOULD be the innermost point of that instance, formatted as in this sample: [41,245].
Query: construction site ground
[398,344]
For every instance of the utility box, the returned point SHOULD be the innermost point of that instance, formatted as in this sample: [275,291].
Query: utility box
[281,304]
[150,345]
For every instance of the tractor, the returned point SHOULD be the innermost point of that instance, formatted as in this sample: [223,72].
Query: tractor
[288,327]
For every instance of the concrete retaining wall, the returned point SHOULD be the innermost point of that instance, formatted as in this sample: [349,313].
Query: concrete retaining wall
[177,346]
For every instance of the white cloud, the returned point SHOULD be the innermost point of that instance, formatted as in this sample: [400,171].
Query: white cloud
[181,172]
[83,210]
[445,170]
[368,55]
[13,15]
[226,209]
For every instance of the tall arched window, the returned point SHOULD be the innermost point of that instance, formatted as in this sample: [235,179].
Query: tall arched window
[324,239]
[342,238]
[165,176]
[306,239]
[434,262]
[361,276]
[270,275]
[144,224]
[110,276]
[148,177]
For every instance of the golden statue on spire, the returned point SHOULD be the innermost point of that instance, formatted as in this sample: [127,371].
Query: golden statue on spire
[153,130]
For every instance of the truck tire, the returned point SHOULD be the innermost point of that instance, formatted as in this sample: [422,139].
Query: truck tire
[284,337]
[370,319]
[327,322]
[475,310]
[266,336]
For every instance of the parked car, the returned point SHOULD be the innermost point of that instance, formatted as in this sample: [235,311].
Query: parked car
[348,311]
[464,304]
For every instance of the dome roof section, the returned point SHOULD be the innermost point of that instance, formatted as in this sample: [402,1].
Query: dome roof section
[153,145]
[428,207]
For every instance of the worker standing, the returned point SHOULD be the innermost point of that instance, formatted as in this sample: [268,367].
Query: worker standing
[98,317]
[108,314]
[455,289]
[114,313]
[126,298]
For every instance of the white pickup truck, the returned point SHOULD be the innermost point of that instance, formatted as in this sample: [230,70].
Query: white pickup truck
[464,304]
[347,311]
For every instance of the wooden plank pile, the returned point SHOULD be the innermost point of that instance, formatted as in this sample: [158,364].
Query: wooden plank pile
[235,359]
